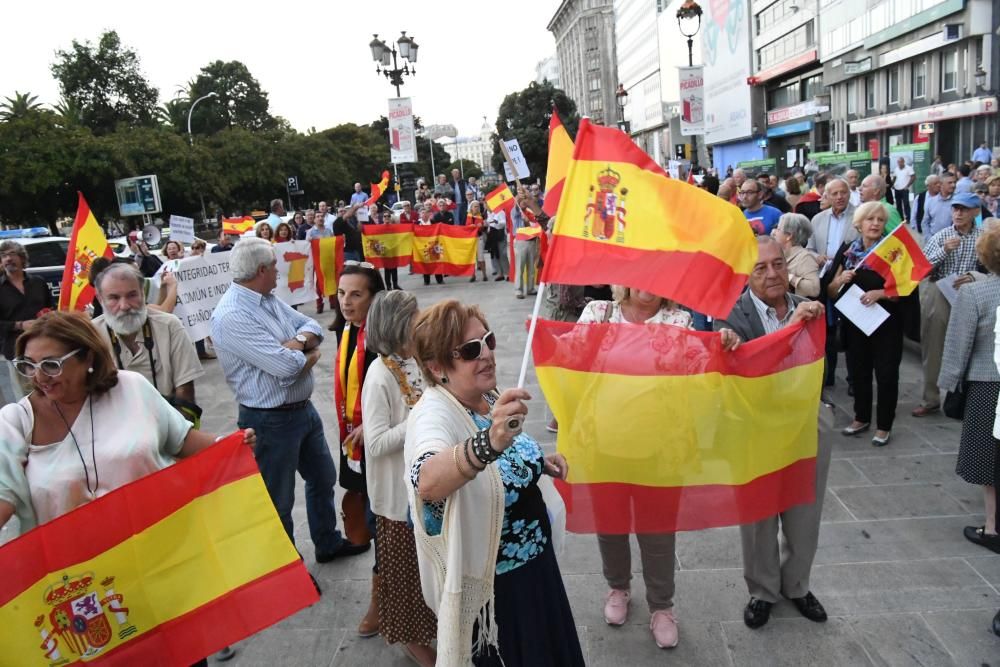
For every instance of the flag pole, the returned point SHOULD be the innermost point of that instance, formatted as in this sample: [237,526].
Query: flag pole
[531,336]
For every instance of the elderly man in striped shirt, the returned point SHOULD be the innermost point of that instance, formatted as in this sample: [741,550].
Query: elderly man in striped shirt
[267,350]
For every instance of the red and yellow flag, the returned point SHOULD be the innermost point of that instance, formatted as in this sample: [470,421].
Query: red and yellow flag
[622,221]
[667,432]
[445,249]
[238,226]
[163,571]
[328,260]
[500,199]
[900,261]
[86,244]
[388,246]
[378,189]
[560,154]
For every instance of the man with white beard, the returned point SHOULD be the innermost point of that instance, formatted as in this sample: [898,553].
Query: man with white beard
[142,339]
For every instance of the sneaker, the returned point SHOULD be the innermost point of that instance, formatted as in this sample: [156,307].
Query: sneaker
[225,654]
[663,625]
[616,606]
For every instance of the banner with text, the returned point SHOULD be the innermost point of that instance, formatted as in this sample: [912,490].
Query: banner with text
[201,282]
[726,50]
[692,100]
[402,135]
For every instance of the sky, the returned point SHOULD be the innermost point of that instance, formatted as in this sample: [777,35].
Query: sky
[311,57]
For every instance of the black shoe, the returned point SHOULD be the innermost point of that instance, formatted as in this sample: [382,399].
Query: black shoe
[319,591]
[499,279]
[227,653]
[757,613]
[996,624]
[825,400]
[810,607]
[346,549]
[979,536]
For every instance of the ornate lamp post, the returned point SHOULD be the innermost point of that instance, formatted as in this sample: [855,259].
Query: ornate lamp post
[385,56]
[689,23]
[621,97]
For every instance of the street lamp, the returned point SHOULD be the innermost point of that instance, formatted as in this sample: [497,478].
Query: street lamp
[980,76]
[621,97]
[689,23]
[385,56]
[191,142]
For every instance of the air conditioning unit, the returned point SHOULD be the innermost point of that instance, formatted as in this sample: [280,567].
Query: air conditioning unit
[952,31]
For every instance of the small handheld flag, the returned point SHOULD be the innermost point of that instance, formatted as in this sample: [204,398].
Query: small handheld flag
[900,262]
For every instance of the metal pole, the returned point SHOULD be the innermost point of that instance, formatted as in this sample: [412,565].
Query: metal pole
[694,137]
[201,197]
[430,142]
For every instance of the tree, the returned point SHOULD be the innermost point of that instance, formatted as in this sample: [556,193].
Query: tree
[106,84]
[173,114]
[467,167]
[18,106]
[241,102]
[525,116]
[70,113]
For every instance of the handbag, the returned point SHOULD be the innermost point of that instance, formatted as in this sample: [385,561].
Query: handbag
[954,403]
[354,514]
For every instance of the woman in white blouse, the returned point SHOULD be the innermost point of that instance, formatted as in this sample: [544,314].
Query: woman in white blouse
[656,550]
[393,384]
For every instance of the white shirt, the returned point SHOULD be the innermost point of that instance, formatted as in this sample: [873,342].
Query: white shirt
[902,178]
[835,232]
[595,311]
[855,198]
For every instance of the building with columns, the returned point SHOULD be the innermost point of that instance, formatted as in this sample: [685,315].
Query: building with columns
[585,45]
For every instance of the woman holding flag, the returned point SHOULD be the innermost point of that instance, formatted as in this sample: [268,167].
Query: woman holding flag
[475,219]
[359,283]
[882,351]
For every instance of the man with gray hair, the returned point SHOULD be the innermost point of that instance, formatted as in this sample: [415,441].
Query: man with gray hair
[873,189]
[267,351]
[932,188]
[853,178]
[277,210]
[164,354]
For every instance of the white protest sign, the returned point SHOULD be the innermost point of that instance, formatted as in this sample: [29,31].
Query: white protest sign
[181,229]
[296,278]
[201,282]
[517,158]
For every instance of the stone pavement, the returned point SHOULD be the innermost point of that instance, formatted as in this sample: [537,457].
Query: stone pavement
[901,584]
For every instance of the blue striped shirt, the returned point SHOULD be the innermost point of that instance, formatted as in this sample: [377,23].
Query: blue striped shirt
[248,330]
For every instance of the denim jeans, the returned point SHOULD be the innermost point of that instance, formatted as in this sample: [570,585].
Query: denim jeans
[290,440]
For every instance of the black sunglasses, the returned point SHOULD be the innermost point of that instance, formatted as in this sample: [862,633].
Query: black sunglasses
[473,349]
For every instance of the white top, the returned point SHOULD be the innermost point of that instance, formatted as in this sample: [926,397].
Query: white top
[902,178]
[595,313]
[383,413]
[136,431]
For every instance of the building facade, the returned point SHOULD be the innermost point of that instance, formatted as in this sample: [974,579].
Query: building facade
[548,70]
[478,149]
[585,45]
[911,71]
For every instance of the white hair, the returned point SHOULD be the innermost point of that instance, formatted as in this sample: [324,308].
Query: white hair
[248,256]
[118,269]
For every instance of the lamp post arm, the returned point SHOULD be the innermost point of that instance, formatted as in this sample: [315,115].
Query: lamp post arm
[191,110]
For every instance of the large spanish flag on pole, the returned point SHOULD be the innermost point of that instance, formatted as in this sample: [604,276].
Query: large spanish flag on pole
[900,261]
[622,221]
[560,154]
[163,571]
[86,244]
[238,226]
[388,246]
[328,259]
[666,431]
[445,249]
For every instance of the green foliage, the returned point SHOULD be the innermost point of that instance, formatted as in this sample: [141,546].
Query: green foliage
[19,106]
[106,84]
[174,114]
[467,167]
[422,167]
[525,116]
[241,102]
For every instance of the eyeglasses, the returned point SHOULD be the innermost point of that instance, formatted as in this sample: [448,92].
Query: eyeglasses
[473,349]
[363,265]
[51,367]
[743,193]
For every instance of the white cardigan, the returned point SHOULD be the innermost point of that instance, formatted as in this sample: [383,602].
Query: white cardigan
[384,412]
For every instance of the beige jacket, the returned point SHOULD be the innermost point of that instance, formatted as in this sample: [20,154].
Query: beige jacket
[803,271]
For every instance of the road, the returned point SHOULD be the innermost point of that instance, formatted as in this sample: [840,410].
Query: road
[901,584]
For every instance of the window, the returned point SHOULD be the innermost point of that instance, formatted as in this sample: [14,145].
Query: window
[892,86]
[918,79]
[47,253]
[813,86]
[852,96]
[870,91]
[785,47]
[593,62]
[595,83]
[949,70]
[596,104]
[784,96]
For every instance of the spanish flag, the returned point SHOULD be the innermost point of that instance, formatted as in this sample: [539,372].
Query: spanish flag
[86,244]
[328,259]
[378,189]
[388,246]
[668,432]
[238,226]
[500,199]
[163,571]
[900,261]
[622,221]
[445,249]
[560,154]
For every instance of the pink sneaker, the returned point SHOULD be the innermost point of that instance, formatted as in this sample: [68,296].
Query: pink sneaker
[663,625]
[616,606]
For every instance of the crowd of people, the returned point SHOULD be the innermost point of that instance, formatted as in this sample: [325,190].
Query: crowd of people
[437,473]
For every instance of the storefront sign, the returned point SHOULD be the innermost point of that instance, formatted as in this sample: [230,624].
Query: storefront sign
[802,110]
[692,97]
[786,66]
[917,156]
[837,164]
[926,128]
[858,67]
[791,128]
[402,136]
[976,106]
[726,49]
[753,167]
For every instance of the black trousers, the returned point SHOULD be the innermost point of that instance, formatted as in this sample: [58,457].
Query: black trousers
[391,278]
[902,198]
[832,350]
[439,277]
[878,355]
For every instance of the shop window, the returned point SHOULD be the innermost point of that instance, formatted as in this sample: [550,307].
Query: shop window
[918,79]
[813,86]
[870,92]
[892,85]
[949,70]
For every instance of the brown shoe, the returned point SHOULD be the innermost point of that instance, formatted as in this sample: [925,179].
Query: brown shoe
[421,654]
[369,625]
[924,410]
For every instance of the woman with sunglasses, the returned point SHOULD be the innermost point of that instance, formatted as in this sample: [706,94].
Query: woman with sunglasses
[359,283]
[67,443]
[487,565]
[393,385]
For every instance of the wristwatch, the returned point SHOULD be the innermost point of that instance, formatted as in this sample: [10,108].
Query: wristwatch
[302,339]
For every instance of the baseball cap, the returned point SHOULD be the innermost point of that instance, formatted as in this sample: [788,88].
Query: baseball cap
[966,200]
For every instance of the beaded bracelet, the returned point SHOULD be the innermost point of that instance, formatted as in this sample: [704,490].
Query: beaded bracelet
[468,458]
[454,457]
[482,449]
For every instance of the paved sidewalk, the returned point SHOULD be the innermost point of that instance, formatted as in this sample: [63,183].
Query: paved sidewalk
[901,584]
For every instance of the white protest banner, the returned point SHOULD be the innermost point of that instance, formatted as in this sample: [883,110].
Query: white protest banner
[517,158]
[296,279]
[201,282]
[181,229]
[692,100]
[402,135]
